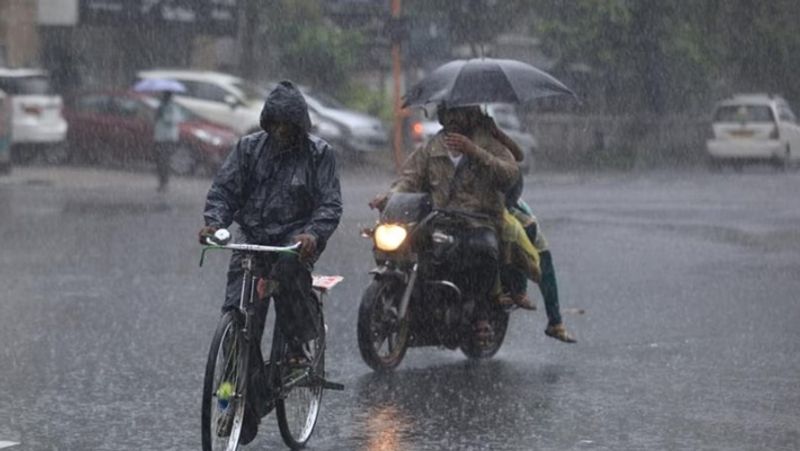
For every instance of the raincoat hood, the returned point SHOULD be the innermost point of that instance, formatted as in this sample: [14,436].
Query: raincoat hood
[286,103]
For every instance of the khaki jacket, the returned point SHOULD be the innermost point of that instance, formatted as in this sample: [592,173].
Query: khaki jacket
[483,179]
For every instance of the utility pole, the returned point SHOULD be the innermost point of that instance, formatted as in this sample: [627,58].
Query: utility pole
[397,34]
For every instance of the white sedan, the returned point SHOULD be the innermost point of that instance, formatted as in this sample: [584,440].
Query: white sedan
[754,128]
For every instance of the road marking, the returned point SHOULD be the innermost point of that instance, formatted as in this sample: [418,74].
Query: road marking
[4,444]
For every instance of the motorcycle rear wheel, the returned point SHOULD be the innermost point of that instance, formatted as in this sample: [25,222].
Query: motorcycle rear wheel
[478,351]
[382,336]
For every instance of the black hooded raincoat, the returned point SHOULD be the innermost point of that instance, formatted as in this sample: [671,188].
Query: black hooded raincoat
[275,193]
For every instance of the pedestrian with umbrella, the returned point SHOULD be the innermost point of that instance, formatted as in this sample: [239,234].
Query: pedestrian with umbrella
[166,130]
[463,83]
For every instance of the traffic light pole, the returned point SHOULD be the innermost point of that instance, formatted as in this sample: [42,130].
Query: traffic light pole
[397,71]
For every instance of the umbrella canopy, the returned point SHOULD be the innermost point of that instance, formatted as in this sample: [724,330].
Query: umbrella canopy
[159,85]
[484,80]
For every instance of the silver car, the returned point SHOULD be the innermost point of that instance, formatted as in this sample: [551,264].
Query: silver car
[351,131]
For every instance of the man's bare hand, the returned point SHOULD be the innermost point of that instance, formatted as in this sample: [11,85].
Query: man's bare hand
[206,232]
[457,142]
[379,202]
[308,245]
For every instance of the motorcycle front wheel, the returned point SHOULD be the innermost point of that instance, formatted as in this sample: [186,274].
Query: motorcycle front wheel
[486,350]
[382,335]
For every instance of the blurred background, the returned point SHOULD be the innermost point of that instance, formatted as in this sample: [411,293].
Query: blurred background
[648,72]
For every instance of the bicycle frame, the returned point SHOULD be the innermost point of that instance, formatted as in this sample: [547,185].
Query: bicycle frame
[249,281]
[280,380]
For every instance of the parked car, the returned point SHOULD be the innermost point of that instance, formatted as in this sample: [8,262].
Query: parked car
[348,130]
[754,128]
[505,116]
[38,125]
[221,98]
[5,133]
[117,127]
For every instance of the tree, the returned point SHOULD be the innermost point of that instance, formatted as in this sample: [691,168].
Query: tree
[672,55]
[293,39]
[475,23]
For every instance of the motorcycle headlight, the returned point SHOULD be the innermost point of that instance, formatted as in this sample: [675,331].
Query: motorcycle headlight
[388,237]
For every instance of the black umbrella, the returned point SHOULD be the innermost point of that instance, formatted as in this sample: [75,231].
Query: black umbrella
[484,80]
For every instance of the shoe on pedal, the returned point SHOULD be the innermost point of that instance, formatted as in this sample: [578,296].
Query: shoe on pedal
[299,355]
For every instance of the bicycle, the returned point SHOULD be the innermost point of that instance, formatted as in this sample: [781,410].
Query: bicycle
[295,393]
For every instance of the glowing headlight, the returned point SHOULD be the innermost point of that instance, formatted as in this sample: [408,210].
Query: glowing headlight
[388,237]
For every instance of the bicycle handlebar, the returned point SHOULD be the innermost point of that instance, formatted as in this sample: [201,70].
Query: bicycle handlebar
[252,247]
[211,245]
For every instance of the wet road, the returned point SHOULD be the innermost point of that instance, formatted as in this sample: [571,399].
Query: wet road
[690,339]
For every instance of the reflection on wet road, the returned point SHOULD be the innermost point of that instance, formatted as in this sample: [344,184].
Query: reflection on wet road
[689,341]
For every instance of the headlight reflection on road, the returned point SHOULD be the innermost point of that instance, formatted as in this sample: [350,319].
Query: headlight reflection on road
[387,428]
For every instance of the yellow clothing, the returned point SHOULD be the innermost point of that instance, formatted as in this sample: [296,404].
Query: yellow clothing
[519,251]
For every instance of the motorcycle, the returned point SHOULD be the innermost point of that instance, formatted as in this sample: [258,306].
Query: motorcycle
[417,296]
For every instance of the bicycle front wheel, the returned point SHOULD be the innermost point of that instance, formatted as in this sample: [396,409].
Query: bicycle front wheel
[298,410]
[225,386]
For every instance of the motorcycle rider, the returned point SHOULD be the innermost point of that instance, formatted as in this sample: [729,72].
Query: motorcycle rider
[281,187]
[464,168]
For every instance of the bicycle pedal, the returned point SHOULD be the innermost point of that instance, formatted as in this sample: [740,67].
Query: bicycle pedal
[328,385]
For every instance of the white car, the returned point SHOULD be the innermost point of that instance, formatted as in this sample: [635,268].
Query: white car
[751,128]
[505,117]
[221,98]
[36,111]
[5,133]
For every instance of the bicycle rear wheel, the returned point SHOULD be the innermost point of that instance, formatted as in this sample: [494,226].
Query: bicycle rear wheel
[298,410]
[225,386]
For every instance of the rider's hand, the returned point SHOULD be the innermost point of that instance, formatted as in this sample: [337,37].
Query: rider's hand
[308,245]
[379,202]
[206,232]
[457,142]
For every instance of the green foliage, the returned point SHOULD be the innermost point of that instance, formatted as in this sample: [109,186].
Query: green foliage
[471,22]
[322,57]
[673,55]
[302,45]
[370,101]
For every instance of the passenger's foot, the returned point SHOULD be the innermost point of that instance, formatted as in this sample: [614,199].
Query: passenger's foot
[521,300]
[559,332]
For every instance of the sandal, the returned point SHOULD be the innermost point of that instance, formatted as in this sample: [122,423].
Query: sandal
[559,332]
[520,300]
